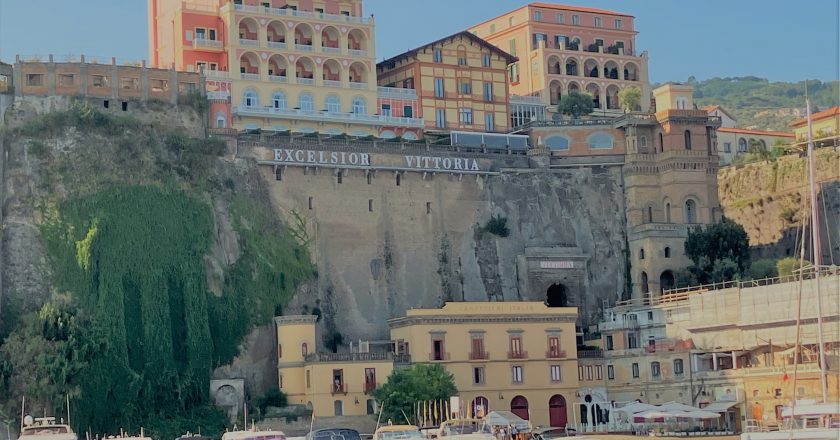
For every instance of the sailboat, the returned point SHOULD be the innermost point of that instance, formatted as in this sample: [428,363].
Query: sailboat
[809,420]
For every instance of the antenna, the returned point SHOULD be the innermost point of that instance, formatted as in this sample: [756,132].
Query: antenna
[245,404]
[67,396]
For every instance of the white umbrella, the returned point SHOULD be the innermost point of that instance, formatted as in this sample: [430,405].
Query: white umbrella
[636,407]
[676,406]
[700,414]
[653,414]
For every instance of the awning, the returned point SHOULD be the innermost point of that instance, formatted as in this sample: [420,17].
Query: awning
[719,406]
[506,418]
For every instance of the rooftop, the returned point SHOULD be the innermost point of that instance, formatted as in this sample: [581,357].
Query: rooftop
[833,111]
[492,308]
[755,132]
[480,41]
[558,7]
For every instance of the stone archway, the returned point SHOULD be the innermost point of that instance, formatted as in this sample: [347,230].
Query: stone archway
[557,411]
[556,296]
[666,280]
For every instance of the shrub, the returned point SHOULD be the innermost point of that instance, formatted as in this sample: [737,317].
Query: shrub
[334,340]
[497,225]
[273,397]
[786,266]
[763,268]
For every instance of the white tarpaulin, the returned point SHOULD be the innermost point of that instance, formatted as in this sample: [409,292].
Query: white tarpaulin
[636,407]
[506,418]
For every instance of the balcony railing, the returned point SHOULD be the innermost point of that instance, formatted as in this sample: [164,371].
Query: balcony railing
[327,49]
[438,356]
[555,354]
[479,355]
[303,47]
[358,85]
[201,43]
[370,387]
[307,81]
[218,95]
[338,388]
[590,354]
[396,92]
[248,42]
[302,14]
[277,44]
[251,76]
[278,78]
[521,354]
[332,83]
[357,118]
[358,52]
[351,357]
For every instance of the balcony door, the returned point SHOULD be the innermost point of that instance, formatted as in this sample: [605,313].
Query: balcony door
[437,350]
[338,380]
[478,347]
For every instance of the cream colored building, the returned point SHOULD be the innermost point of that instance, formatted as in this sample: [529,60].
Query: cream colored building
[734,142]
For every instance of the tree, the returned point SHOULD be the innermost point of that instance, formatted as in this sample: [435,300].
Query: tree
[763,268]
[718,241]
[788,266]
[576,104]
[405,387]
[630,98]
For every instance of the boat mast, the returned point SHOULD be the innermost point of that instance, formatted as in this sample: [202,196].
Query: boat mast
[815,249]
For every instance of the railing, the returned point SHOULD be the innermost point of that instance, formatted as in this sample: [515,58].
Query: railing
[304,47]
[307,81]
[568,122]
[216,74]
[332,83]
[807,274]
[521,354]
[481,355]
[328,49]
[661,227]
[277,44]
[358,52]
[350,357]
[370,387]
[517,99]
[590,354]
[248,42]
[338,388]
[396,92]
[358,85]
[201,42]
[629,324]
[218,95]
[438,356]
[330,116]
[302,14]
[251,76]
[278,78]
[555,354]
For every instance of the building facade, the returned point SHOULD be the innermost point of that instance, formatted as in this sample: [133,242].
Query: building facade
[460,82]
[566,48]
[825,127]
[734,142]
[303,66]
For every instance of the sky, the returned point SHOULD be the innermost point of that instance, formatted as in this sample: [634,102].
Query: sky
[771,39]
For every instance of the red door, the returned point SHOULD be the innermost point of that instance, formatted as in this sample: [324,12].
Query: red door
[519,406]
[557,411]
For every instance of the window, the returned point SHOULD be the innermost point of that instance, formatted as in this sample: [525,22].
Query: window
[465,87]
[478,375]
[556,373]
[512,45]
[466,116]
[678,366]
[537,16]
[488,91]
[333,104]
[304,349]
[462,56]
[251,98]
[130,83]
[599,372]
[278,100]
[513,73]
[438,353]
[600,141]
[200,34]
[554,346]
[359,105]
[599,41]
[560,19]
[369,178]
[650,316]
[516,347]
[631,337]
[439,90]
[339,177]
[661,143]
[370,378]
[539,37]
[438,55]
[575,20]
[486,58]
[398,178]
[597,21]
[635,370]
[489,124]
[428,207]
[609,342]
[100,81]
[690,211]
[370,205]
[642,254]
[517,374]
[68,80]
[643,141]
[654,369]
[188,35]
[618,24]
[589,372]
[580,372]
[305,102]
[408,111]
[440,115]
[688,139]
[610,372]
[308,379]
[557,142]
[727,147]
[311,202]
[742,145]
[667,252]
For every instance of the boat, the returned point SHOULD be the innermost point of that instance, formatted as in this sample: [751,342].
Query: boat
[398,432]
[45,428]
[464,429]
[333,434]
[254,435]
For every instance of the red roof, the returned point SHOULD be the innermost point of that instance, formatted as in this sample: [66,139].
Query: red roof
[833,111]
[577,9]
[755,132]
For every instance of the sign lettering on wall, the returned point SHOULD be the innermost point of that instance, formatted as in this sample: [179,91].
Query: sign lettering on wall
[410,162]
[557,264]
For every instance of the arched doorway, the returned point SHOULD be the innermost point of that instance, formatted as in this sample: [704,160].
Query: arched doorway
[480,407]
[557,411]
[556,296]
[666,280]
[519,406]
[644,282]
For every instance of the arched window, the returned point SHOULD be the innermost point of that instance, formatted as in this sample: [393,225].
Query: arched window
[333,104]
[305,102]
[742,145]
[678,366]
[557,143]
[359,105]
[688,139]
[278,100]
[650,214]
[409,136]
[600,140]
[387,134]
[655,369]
[644,282]
[221,120]
[690,211]
[304,349]
[667,252]
[661,143]
[643,141]
[668,212]
[642,253]
[251,98]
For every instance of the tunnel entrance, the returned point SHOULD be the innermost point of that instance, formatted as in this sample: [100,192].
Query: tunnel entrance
[556,296]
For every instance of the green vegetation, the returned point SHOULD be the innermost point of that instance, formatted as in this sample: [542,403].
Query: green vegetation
[273,397]
[136,330]
[788,266]
[497,225]
[575,104]
[407,386]
[755,102]
[763,268]
[630,99]
[720,252]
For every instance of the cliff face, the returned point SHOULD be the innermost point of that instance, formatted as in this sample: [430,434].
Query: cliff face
[771,198]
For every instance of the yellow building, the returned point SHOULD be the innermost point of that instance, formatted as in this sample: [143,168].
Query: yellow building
[825,127]
[518,357]
[461,82]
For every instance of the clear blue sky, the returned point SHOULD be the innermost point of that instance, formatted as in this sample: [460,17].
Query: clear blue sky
[775,39]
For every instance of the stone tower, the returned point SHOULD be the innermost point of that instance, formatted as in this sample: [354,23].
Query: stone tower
[670,184]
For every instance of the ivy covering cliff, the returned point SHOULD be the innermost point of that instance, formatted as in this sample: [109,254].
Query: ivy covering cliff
[134,317]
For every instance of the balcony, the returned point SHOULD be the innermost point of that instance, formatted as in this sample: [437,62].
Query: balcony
[590,354]
[479,356]
[224,96]
[358,52]
[332,83]
[353,357]
[303,47]
[370,387]
[347,118]
[555,354]
[629,324]
[217,74]
[302,14]
[358,85]
[338,388]
[438,357]
[306,81]
[201,43]
[395,92]
[247,42]
[277,44]
[278,78]
[250,76]
[327,49]
[517,354]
